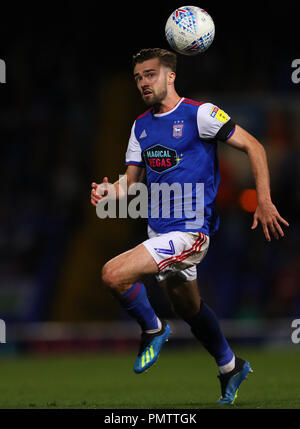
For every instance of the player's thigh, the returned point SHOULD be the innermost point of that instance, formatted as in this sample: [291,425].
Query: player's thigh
[183,294]
[129,267]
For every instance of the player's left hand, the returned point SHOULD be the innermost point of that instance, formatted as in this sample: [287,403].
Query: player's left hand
[269,218]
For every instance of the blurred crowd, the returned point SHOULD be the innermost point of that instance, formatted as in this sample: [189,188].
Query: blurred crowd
[48,122]
[46,129]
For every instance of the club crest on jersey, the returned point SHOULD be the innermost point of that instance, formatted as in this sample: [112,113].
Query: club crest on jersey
[177,129]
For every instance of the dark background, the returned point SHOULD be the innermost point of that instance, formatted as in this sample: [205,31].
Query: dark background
[66,111]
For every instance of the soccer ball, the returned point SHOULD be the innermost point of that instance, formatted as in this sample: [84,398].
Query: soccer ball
[190,30]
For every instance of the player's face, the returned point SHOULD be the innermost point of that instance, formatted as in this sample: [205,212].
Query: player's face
[151,79]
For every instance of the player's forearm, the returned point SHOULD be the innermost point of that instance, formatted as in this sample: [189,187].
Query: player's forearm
[121,187]
[259,167]
[133,174]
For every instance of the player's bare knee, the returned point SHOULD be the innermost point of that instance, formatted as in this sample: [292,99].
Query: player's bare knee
[110,276]
[113,279]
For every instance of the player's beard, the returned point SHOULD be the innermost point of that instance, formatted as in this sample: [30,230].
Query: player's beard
[156,99]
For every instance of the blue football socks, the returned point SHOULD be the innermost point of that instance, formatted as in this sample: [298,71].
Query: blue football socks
[137,305]
[206,328]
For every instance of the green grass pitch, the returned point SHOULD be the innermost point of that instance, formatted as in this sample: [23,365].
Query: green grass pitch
[181,378]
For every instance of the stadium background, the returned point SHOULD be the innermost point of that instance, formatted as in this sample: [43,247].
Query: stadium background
[66,113]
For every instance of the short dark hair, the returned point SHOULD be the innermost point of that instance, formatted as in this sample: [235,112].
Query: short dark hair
[167,58]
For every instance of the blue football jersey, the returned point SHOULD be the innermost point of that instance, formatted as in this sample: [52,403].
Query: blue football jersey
[179,151]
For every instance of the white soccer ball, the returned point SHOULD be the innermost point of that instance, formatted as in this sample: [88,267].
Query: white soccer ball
[190,30]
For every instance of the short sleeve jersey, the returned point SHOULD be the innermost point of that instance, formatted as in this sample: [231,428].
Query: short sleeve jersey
[179,151]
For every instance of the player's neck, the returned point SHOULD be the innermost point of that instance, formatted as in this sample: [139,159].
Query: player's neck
[167,104]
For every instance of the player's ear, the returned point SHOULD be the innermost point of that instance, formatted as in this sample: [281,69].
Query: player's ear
[171,77]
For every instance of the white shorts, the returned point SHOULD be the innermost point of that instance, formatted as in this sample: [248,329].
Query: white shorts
[177,252]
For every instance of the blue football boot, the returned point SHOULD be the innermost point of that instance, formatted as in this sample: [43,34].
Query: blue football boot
[150,348]
[230,382]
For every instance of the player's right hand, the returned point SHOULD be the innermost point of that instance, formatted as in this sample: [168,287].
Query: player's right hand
[103,190]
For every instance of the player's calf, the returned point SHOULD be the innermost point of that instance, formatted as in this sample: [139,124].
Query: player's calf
[121,275]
